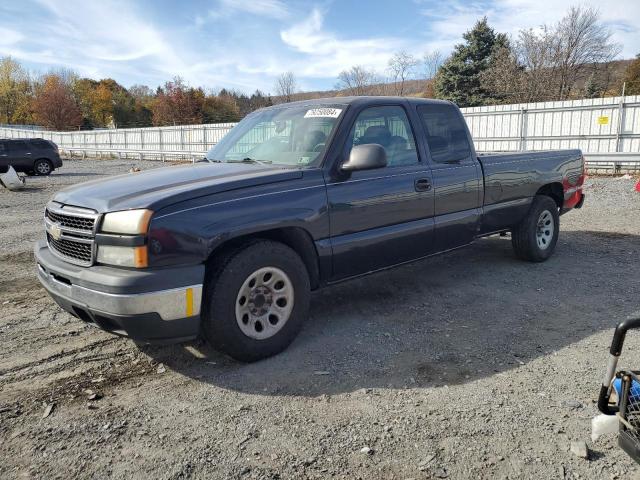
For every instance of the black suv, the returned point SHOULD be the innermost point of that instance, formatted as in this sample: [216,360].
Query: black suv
[33,156]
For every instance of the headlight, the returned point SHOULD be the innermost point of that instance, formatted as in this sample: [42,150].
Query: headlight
[127,222]
[133,222]
[123,256]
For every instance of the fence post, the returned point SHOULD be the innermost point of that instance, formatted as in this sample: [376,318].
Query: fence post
[204,137]
[523,129]
[621,112]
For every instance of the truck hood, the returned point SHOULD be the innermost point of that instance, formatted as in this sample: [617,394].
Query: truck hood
[160,187]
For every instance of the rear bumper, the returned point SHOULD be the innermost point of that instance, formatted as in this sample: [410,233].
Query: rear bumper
[154,306]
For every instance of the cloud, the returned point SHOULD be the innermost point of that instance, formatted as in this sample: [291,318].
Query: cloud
[448,21]
[326,55]
[9,36]
[274,9]
[103,38]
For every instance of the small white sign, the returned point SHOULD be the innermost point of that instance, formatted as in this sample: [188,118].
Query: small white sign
[323,113]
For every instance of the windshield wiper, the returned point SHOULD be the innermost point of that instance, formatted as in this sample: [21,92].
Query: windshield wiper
[250,160]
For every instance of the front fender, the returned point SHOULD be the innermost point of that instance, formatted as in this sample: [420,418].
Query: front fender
[190,232]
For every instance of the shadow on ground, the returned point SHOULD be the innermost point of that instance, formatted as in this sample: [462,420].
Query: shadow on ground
[446,320]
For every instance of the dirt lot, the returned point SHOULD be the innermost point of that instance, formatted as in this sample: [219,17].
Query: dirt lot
[468,365]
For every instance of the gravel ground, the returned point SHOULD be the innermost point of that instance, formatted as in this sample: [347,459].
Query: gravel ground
[470,364]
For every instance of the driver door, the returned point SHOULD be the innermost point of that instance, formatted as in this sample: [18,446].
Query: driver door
[381,217]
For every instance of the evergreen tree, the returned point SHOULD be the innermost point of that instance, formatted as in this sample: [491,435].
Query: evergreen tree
[591,87]
[459,79]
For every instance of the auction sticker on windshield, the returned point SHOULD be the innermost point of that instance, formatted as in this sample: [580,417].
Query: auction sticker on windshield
[323,113]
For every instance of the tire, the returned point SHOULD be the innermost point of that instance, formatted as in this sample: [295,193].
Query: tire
[42,167]
[535,238]
[256,300]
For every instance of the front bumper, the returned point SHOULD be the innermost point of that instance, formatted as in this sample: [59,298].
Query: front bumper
[150,305]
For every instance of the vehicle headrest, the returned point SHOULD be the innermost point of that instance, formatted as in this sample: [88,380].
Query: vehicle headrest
[377,134]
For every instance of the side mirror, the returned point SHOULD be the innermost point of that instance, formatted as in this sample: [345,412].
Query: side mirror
[365,157]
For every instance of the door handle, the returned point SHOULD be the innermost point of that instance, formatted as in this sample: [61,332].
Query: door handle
[422,185]
[28,153]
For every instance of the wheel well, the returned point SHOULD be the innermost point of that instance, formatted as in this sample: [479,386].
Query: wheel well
[553,190]
[295,238]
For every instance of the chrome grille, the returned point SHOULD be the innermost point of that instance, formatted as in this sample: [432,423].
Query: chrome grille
[71,233]
[78,223]
[72,250]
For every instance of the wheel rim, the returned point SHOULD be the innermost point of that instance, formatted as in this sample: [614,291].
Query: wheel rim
[544,230]
[43,168]
[264,303]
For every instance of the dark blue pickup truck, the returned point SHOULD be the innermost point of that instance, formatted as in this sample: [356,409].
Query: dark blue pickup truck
[295,197]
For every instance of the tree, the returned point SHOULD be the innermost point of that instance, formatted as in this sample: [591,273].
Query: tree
[220,109]
[632,77]
[401,66]
[356,81]
[432,61]
[102,105]
[580,39]
[551,62]
[286,86]
[15,92]
[459,78]
[592,88]
[54,104]
[177,104]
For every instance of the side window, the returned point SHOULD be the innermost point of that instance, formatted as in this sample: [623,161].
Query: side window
[387,126]
[39,144]
[17,146]
[446,133]
[3,149]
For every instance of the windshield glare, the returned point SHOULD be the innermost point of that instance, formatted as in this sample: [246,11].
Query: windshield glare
[294,136]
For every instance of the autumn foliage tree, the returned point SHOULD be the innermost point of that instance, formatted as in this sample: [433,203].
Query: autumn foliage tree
[54,105]
[632,77]
[15,92]
[177,104]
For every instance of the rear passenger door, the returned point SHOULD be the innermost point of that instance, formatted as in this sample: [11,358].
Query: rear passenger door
[457,176]
[380,217]
[19,155]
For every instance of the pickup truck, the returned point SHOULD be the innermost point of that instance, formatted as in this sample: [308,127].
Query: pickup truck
[295,197]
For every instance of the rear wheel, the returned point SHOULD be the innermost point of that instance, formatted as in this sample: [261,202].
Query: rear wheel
[42,166]
[535,238]
[256,300]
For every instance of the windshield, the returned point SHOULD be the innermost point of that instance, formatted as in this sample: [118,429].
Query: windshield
[293,136]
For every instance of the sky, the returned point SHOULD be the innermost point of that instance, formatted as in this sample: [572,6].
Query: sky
[245,45]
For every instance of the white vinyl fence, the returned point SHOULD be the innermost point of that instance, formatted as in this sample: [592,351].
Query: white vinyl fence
[607,130]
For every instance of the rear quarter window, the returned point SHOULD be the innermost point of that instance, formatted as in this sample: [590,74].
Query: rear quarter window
[40,144]
[446,133]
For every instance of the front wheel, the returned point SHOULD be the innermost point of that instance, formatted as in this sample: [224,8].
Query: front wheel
[535,238]
[256,300]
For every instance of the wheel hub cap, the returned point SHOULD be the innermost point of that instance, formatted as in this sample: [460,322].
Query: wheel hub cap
[544,230]
[264,303]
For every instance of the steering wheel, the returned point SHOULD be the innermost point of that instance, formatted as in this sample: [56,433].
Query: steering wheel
[318,147]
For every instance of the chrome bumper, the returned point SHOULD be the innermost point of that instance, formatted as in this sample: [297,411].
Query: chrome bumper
[173,304]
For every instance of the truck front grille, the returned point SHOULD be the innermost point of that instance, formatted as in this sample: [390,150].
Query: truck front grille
[71,232]
[78,223]
[76,252]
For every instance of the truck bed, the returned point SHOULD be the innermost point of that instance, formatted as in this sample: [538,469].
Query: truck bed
[511,180]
